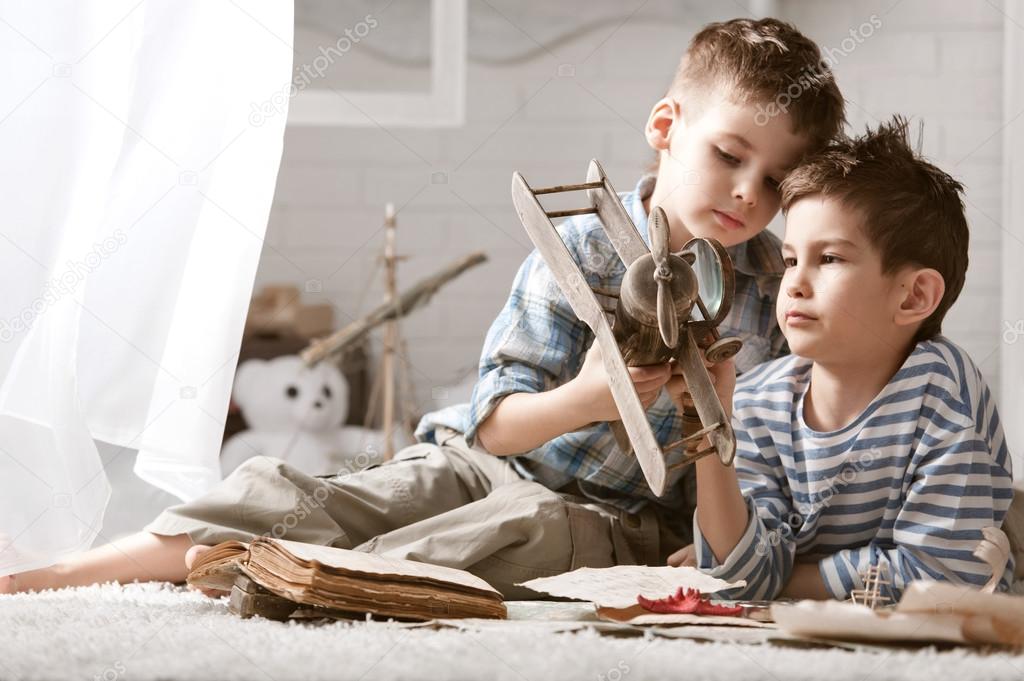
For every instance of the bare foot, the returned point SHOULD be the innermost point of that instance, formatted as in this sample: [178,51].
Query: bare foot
[143,556]
[8,583]
[33,580]
[190,558]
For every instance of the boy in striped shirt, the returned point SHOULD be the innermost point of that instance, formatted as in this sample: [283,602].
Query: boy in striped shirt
[877,442]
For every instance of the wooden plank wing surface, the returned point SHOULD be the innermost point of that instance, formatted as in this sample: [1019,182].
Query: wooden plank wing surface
[709,408]
[621,231]
[585,305]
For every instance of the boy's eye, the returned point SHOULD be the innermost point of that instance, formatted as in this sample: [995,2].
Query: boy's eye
[789,262]
[831,259]
[726,156]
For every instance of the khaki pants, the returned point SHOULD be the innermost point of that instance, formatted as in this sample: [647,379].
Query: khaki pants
[445,504]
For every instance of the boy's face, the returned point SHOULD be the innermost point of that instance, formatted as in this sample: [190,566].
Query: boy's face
[719,171]
[835,304]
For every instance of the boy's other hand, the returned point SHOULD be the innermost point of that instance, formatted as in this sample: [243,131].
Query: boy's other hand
[723,378]
[594,393]
[684,557]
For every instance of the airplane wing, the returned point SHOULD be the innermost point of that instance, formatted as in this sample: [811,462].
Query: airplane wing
[584,303]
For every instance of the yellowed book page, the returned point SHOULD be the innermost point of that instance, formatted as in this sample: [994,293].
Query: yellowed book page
[218,567]
[374,564]
[618,587]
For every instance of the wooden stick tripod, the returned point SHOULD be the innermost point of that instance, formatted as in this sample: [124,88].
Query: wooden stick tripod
[394,363]
[393,353]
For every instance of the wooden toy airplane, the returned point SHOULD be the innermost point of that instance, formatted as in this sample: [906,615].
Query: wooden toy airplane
[669,307]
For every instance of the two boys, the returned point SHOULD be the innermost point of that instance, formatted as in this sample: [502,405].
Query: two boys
[528,481]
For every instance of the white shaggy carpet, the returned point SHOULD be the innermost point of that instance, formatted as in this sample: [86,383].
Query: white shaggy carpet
[154,631]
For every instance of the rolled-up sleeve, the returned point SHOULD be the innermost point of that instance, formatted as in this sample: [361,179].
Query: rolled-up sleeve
[763,557]
[535,344]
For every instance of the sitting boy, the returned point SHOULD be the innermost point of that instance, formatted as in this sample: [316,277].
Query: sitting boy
[570,499]
[877,443]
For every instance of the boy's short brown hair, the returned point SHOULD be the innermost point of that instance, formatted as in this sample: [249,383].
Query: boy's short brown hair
[912,211]
[766,62]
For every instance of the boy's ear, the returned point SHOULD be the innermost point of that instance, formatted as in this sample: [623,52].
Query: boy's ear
[922,291]
[664,118]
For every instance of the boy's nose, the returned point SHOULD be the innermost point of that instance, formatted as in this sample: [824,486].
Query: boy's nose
[796,290]
[746,193]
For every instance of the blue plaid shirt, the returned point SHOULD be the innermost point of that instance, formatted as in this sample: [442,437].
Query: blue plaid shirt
[537,343]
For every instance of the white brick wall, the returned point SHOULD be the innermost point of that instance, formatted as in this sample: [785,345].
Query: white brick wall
[941,61]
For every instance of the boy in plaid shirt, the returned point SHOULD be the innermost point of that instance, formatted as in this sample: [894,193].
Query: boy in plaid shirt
[527,481]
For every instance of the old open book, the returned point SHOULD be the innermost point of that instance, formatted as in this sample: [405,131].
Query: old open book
[339,581]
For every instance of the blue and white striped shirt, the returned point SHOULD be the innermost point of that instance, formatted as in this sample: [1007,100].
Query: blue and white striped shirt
[908,485]
[537,343]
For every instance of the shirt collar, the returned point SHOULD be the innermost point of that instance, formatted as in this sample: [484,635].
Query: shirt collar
[759,258]
[635,209]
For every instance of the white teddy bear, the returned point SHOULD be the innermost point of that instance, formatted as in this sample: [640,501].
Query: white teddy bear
[296,413]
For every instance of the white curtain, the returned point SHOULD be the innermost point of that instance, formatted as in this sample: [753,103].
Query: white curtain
[136,184]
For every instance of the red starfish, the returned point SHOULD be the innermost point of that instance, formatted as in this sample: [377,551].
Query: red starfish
[689,602]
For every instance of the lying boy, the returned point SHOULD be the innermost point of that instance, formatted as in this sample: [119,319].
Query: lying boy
[570,499]
[877,443]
